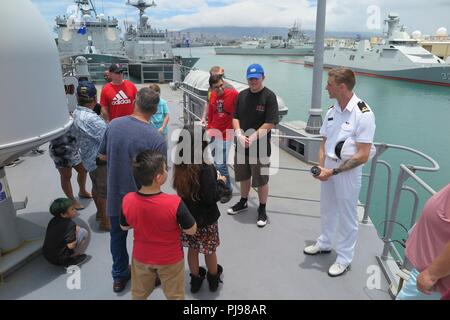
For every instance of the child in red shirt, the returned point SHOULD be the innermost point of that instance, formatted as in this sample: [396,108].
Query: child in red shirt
[156,218]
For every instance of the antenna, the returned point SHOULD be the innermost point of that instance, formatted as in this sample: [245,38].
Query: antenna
[93,7]
[141,5]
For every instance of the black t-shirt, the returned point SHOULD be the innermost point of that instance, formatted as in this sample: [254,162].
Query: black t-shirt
[255,109]
[60,232]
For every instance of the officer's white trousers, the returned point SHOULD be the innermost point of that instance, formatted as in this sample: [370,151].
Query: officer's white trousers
[338,212]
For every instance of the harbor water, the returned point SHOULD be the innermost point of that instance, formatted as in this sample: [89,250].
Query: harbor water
[410,114]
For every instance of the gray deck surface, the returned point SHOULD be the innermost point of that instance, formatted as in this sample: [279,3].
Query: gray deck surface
[258,263]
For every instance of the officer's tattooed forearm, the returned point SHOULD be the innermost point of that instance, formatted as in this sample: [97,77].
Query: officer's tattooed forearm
[350,164]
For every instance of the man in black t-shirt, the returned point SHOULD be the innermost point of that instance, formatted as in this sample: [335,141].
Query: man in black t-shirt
[256,114]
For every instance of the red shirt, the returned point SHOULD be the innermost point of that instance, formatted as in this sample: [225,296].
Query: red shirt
[118,100]
[221,112]
[157,235]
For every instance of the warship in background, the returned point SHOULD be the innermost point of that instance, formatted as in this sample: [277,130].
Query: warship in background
[86,33]
[97,38]
[297,44]
[397,56]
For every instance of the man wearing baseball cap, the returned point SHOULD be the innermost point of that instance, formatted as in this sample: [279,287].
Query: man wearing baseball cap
[117,97]
[256,114]
[89,129]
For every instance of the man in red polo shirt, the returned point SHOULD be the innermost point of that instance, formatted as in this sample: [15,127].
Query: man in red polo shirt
[117,97]
[220,126]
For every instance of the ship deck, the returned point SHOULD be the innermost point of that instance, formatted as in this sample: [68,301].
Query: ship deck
[259,264]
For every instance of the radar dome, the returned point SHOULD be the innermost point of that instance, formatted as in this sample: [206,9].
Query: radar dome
[442,32]
[33,102]
[416,34]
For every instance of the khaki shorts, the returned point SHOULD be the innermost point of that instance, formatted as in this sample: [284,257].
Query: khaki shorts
[99,179]
[246,171]
[143,278]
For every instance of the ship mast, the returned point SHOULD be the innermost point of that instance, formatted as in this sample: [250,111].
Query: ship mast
[141,5]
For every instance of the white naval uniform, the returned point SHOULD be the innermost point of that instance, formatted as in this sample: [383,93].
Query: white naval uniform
[339,194]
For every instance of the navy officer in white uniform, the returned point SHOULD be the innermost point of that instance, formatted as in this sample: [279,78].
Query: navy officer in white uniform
[351,121]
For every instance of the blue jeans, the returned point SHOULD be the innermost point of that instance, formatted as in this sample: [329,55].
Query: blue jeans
[410,292]
[221,152]
[119,252]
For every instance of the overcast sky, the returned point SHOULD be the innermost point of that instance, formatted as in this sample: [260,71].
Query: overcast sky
[342,15]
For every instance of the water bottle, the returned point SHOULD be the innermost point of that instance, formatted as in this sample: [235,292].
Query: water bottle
[315,170]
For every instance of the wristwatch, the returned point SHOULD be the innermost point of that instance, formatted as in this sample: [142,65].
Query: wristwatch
[336,171]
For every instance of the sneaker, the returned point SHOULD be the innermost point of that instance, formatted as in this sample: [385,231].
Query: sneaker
[226,197]
[315,249]
[238,207]
[338,269]
[262,217]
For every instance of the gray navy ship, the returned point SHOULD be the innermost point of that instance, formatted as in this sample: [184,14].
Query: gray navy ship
[297,44]
[98,39]
[397,56]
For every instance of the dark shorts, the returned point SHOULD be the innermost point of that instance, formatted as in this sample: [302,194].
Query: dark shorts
[251,170]
[99,180]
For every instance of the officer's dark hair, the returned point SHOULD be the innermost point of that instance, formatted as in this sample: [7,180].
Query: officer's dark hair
[215,78]
[343,76]
[147,165]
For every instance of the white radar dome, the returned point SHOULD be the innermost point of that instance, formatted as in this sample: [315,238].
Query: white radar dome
[441,32]
[33,103]
[416,34]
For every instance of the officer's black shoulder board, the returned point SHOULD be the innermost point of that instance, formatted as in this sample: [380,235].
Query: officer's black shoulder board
[363,107]
[331,107]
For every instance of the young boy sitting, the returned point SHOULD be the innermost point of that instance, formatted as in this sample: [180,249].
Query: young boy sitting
[156,218]
[64,240]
